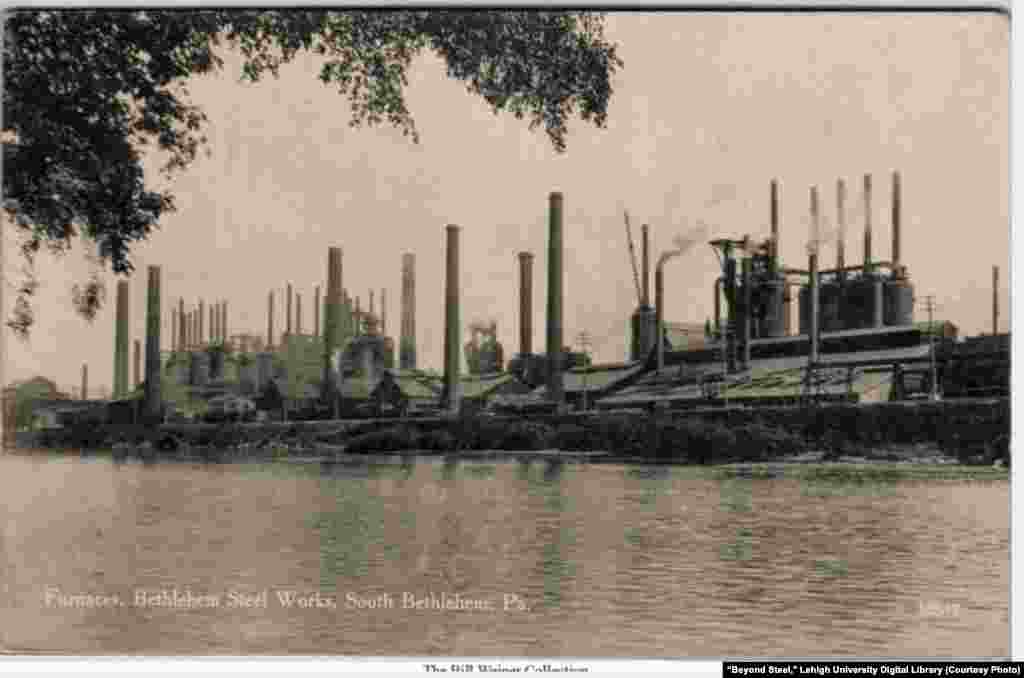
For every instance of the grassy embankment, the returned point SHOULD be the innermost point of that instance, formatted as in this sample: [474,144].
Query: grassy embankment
[967,432]
[970,433]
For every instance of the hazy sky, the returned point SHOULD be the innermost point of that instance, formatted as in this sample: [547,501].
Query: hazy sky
[707,106]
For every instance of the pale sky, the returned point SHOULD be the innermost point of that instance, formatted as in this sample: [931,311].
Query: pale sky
[707,105]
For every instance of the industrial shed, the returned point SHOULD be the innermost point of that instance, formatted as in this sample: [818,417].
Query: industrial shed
[867,376]
[480,391]
[405,390]
[597,381]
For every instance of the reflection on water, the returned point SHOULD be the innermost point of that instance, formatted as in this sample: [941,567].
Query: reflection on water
[409,556]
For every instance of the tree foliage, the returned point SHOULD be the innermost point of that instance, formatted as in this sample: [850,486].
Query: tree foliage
[88,92]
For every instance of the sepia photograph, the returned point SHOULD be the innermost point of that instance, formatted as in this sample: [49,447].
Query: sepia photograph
[506,340]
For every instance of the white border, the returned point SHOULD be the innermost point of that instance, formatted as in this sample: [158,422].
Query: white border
[11,666]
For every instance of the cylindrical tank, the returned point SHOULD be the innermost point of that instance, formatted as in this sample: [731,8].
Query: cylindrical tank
[643,329]
[472,353]
[499,357]
[200,369]
[249,377]
[491,357]
[181,369]
[858,309]
[804,303]
[899,302]
[831,303]
[787,310]
[216,359]
[772,298]
[367,363]
[365,354]
[264,369]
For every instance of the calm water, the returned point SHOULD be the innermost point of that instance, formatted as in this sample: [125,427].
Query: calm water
[590,560]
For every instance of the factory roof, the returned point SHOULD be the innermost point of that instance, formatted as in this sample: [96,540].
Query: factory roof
[484,385]
[416,384]
[845,342]
[865,332]
[781,378]
[596,377]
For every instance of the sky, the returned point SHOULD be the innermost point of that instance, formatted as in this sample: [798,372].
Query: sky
[708,109]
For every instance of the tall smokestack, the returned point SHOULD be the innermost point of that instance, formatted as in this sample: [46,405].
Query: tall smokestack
[270,319]
[174,330]
[316,312]
[121,341]
[182,336]
[995,300]
[298,313]
[526,303]
[897,269]
[867,223]
[775,224]
[201,337]
[645,300]
[841,245]
[137,364]
[224,320]
[346,321]
[452,331]
[659,316]
[288,312]
[732,317]
[384,312]
[213,323]
[332,315]
[153,396]
[407,331]
[85,383]
[787,309]
[748,316]
[813,269]
[554,329]
[371,302]
[717,301]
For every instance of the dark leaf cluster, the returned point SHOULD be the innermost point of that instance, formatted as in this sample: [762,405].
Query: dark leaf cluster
[87,92]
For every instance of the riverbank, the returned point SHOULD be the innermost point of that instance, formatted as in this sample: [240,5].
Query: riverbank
[961,432]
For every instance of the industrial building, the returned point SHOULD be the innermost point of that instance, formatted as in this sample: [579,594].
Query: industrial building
[778,334]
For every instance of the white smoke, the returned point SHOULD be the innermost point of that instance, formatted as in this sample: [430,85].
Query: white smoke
[684,242]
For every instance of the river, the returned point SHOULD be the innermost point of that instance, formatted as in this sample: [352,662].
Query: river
[414,557]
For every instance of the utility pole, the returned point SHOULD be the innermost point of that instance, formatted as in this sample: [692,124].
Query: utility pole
[929,304]
[583,339]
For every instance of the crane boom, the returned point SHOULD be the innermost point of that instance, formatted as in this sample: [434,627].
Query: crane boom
[632,259]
